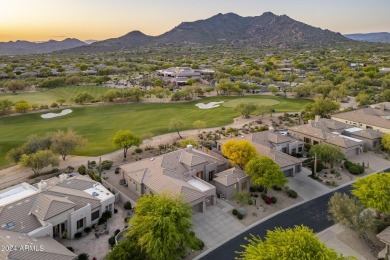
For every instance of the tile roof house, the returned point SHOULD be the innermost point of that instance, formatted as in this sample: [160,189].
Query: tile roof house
[350,140]
[376,117]
[57,207]
[276,146]
[384,237]
[187,172]
[180,75]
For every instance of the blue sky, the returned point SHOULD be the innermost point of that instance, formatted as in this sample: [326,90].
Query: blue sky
[100,19]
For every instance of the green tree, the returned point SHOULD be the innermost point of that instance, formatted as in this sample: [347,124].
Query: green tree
[327,153]
[297,243]
[350,213]
[83,97]
[125,139]
[321,107]
[245,109]
[22,106]
[39,160]
[188,141]
[64,143]
[263,110]
[161,226]
[16,85]
[324,89]
[242,197]
[263,171]
[386,141]
[273,89]
[126,250]
[111,95]
[199,125]
[373,191]
[239,152]
[364,99]
[61,101]
[6,106]
[177,125]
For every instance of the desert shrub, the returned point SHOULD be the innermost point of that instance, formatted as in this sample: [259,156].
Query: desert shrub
[115,211]
[268,200]
[356,169]
[240,216]
[276,188]
[127,205]
[106,164]
[234,212]
[82,169]
[138,150]
[93,176]
[87,230]
[256,195]
[70,248]
[252,189]
[260,188]
[250,202]
[83,256]
[54,104]
[78,235]
[263,196]
[111,241]
[198,244]
[292,194]
[274,199]
[117,232]
[347,164]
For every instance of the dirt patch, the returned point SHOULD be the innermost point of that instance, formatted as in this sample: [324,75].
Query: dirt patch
[262,210]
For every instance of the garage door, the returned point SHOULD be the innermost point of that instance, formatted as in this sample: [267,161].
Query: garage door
[198,207]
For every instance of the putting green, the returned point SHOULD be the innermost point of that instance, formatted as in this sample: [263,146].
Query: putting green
[256,101]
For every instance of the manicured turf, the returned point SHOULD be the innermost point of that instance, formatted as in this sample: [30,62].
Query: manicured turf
[256,101]
[49,96]
[99,123]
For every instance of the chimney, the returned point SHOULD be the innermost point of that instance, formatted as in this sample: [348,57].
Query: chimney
[42,185]
[63,177]
[317,118]
[189,147]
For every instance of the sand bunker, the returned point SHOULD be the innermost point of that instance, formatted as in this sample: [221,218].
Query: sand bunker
[62,113]
[209,105]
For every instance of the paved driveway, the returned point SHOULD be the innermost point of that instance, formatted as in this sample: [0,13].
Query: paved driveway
[376,161]
[306,187]
[216,224]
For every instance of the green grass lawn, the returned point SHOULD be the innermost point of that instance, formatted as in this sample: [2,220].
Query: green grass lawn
[49,96]
[99,123]
[256,101]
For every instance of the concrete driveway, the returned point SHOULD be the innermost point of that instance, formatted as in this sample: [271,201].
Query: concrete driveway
[216,224]
[306,187]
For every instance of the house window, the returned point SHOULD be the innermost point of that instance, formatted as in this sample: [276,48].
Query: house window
[109,207]
[315,142]
[95,215]
[80,223]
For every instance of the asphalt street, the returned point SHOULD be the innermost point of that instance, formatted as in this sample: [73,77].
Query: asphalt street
[312,214]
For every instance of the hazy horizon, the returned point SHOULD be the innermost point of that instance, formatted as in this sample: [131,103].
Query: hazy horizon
[40,20]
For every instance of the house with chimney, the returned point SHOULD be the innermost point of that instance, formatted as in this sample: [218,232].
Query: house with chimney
[276,146]
[351,140]
[56,207]
[198,176]
[376,117]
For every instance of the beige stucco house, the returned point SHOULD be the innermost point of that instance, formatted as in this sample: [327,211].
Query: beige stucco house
[188,172]
[276,146]
[57,207]
[349,139]
[376,117]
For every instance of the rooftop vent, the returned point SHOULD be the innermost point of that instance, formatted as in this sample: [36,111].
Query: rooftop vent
[95,194]
[10,224]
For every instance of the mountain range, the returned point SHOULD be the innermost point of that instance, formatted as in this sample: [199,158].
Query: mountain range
[266,30]
[26,47]
[383,37]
